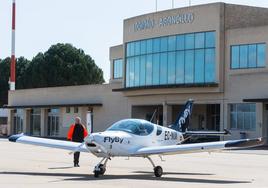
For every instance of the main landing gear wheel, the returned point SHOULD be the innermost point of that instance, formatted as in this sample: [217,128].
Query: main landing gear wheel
[158,171]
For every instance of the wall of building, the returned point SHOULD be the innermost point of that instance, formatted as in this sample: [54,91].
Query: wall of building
[241,16]
[246,83]
[206,18]
[114,104]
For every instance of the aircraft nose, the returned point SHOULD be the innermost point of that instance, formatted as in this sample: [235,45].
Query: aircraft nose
[90,141]
[91,138]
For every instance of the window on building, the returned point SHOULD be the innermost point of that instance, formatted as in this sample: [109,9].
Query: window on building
[178,59]
[18,121]
[76,110]
[35,122]
[118,68]
[210,39]
[68,110]
[53,122]
[3,120]
[213,117]
[243,116]
[248,56]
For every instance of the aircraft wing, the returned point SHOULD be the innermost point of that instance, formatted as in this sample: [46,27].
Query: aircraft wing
[198,147]
[51,143]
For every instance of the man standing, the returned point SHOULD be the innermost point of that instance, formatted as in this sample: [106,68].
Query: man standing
[77,133]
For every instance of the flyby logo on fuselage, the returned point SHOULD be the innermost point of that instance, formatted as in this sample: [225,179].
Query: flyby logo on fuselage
[113,140]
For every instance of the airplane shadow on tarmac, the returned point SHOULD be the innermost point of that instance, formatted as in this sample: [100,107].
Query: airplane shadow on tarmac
[138,175]
[59,168]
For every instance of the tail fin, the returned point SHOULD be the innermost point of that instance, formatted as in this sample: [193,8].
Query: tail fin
[182,121]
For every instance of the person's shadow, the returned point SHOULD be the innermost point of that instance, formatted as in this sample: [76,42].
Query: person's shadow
[136,175]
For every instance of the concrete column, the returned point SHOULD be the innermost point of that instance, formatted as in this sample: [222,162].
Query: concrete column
[265,122]
[42,122]
[259,120]
[25,122]
[28,120]
[223,118]
[167,114]
[45,122]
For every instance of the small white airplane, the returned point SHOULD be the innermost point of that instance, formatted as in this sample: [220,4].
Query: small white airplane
[141,138]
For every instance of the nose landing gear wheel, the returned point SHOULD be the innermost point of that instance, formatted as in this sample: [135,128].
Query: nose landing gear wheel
[158,171]
[102,169]
[96,173]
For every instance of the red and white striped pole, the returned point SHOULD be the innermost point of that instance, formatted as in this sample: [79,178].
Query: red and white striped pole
[13,58]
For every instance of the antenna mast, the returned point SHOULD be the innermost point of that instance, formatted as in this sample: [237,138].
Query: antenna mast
[13,58]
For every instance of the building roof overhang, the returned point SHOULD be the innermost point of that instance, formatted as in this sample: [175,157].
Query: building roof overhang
[166,86]
[52,105]
[256,100]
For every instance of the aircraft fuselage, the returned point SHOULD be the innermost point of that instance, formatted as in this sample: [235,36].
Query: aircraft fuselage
[121,143]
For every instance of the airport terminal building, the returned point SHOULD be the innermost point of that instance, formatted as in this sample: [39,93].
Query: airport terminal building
[213,53]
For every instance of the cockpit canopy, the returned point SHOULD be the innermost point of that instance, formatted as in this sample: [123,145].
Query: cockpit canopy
[133,126]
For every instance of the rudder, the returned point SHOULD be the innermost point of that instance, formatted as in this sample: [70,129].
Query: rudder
[182,121]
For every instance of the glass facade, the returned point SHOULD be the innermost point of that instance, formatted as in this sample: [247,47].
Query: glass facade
[243,116]
[18,121]
[53,122]
[35,122]
[248,56]
[178,59]
[117,68]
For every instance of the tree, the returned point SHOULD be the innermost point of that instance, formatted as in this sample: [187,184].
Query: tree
[4,78]
[60,65]
[21,67]
[63,65]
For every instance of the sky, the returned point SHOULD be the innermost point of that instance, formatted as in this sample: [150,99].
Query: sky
[92,25]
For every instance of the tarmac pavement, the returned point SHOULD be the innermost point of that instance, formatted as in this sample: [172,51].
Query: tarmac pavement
[32,166]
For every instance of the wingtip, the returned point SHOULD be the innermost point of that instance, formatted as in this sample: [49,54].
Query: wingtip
[246,143]
[14,138]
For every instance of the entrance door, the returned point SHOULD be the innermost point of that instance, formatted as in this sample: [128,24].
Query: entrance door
[53,125]
[18,121]
[35,122]
[53,122]
[213,117]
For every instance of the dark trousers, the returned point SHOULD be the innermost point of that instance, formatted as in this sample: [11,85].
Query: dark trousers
[76,157]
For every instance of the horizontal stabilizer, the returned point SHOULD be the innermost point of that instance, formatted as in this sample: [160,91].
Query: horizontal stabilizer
[208,133]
